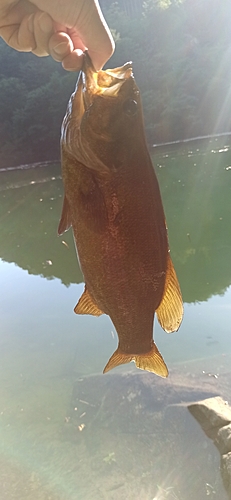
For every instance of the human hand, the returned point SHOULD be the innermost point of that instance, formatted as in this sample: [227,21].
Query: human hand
[61,28]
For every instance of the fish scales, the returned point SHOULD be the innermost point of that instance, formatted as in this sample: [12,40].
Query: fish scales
[113,202]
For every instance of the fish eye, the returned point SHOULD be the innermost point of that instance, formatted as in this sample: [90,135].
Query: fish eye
[130,107]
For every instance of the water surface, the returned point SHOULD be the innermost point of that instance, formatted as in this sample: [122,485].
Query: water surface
[46,348]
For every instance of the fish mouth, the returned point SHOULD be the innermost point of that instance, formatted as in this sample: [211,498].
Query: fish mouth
[91,84]
[104,82]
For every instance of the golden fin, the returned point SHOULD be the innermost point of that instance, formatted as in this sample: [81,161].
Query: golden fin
[65,221]
[151,361]
[118,358]
[170,310]
[86,305]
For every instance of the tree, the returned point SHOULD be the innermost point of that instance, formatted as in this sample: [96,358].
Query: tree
[180,52]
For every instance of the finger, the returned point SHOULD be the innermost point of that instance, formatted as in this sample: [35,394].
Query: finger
[20,36]
[98,39]
[100,49]
[60,46]
[43,30]
[86,18]
[74,61]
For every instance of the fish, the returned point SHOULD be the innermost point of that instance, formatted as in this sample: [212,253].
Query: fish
[112,201]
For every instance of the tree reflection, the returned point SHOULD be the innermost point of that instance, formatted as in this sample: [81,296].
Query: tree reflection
[29,220]
[196,191]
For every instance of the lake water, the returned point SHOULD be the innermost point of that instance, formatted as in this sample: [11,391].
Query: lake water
[48,449]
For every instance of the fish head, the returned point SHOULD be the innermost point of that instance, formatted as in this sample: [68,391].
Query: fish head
[102,117]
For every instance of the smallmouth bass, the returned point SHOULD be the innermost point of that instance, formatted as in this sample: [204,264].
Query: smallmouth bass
[113,203]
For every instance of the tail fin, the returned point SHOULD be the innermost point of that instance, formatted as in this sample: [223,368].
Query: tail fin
[151,361]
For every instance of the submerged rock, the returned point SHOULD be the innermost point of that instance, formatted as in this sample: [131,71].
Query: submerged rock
[226,471]
[214,416]
[223,439]
[211,414]
[127,402]
[129,427]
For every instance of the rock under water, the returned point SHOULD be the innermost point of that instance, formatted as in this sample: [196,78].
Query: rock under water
[138,439]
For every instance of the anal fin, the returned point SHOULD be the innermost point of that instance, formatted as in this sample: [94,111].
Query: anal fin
[170,310]
[86,305]
[151,361]
[65,221]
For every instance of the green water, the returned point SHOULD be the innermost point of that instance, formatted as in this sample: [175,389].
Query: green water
[45,347]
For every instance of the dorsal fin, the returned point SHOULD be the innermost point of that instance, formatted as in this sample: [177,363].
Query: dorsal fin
[86,305]
[170,310]
[65,221]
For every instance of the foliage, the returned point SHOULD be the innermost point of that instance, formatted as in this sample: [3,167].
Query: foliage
[181,58]
[33,98]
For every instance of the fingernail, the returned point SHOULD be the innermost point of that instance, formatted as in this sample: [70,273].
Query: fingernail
[61,48]
[45,23]
[79,52]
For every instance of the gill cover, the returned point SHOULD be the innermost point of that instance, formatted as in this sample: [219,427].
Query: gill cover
[90,84]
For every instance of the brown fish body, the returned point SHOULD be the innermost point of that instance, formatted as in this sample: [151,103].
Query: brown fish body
[113,202]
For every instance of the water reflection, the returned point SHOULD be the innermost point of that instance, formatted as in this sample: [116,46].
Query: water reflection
[196,191]
[30,205]
[68,432]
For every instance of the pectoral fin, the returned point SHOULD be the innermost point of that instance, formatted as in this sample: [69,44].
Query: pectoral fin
[65,221]
[170,310]
[86,305]
[151,361]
